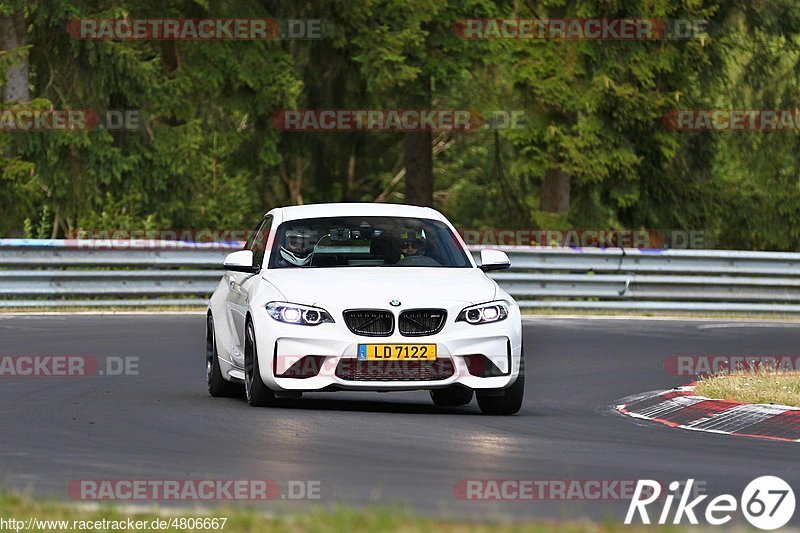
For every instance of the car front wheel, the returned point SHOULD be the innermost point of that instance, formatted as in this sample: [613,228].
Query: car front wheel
[258,394]
[217,385]
[505,401]
[451,396]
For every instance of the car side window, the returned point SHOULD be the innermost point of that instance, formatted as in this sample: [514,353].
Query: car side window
[248,245]
[259,241]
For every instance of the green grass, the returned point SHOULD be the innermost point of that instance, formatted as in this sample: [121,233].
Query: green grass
[762,386]
[316,520]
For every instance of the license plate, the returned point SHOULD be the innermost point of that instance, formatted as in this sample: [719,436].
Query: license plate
[392,352]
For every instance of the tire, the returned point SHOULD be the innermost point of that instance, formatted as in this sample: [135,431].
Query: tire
[218,386]
[510,399]
[256,392]
[451,396]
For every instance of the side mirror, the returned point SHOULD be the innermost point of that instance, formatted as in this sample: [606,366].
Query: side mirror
[494,260]
[241,261]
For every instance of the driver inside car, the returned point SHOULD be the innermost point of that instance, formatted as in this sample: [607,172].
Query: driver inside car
[297,248]
[412,243]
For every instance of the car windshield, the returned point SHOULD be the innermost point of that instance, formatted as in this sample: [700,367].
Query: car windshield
[366,242]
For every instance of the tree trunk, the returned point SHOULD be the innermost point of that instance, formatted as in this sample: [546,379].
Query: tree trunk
[554,194]
[350,184]
[419,167]
[418,154]
[13,35]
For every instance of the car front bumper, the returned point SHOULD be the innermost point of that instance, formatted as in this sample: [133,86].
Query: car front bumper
[281,345]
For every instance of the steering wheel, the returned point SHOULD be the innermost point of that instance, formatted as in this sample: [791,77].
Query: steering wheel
[418,260]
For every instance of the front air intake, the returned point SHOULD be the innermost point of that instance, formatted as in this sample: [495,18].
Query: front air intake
[370,322]
[419,322]
[355,370]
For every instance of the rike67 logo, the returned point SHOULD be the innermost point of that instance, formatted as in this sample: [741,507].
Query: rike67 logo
[767,503]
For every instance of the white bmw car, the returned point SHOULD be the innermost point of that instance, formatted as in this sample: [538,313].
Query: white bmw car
[363,297]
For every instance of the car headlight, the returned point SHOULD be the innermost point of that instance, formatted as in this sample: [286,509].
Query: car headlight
[302,315]
[484,313]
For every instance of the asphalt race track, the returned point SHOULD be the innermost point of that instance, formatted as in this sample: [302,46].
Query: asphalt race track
[369,448]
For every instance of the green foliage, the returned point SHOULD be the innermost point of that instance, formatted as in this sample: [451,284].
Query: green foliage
[209,156]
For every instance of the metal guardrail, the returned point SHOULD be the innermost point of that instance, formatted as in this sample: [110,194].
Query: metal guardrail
[57,273]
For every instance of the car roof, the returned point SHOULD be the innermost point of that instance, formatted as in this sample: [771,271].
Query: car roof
[296,212]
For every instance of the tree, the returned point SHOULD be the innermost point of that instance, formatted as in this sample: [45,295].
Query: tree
[13,40]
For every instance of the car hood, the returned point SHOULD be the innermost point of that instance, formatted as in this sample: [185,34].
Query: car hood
[375,287]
